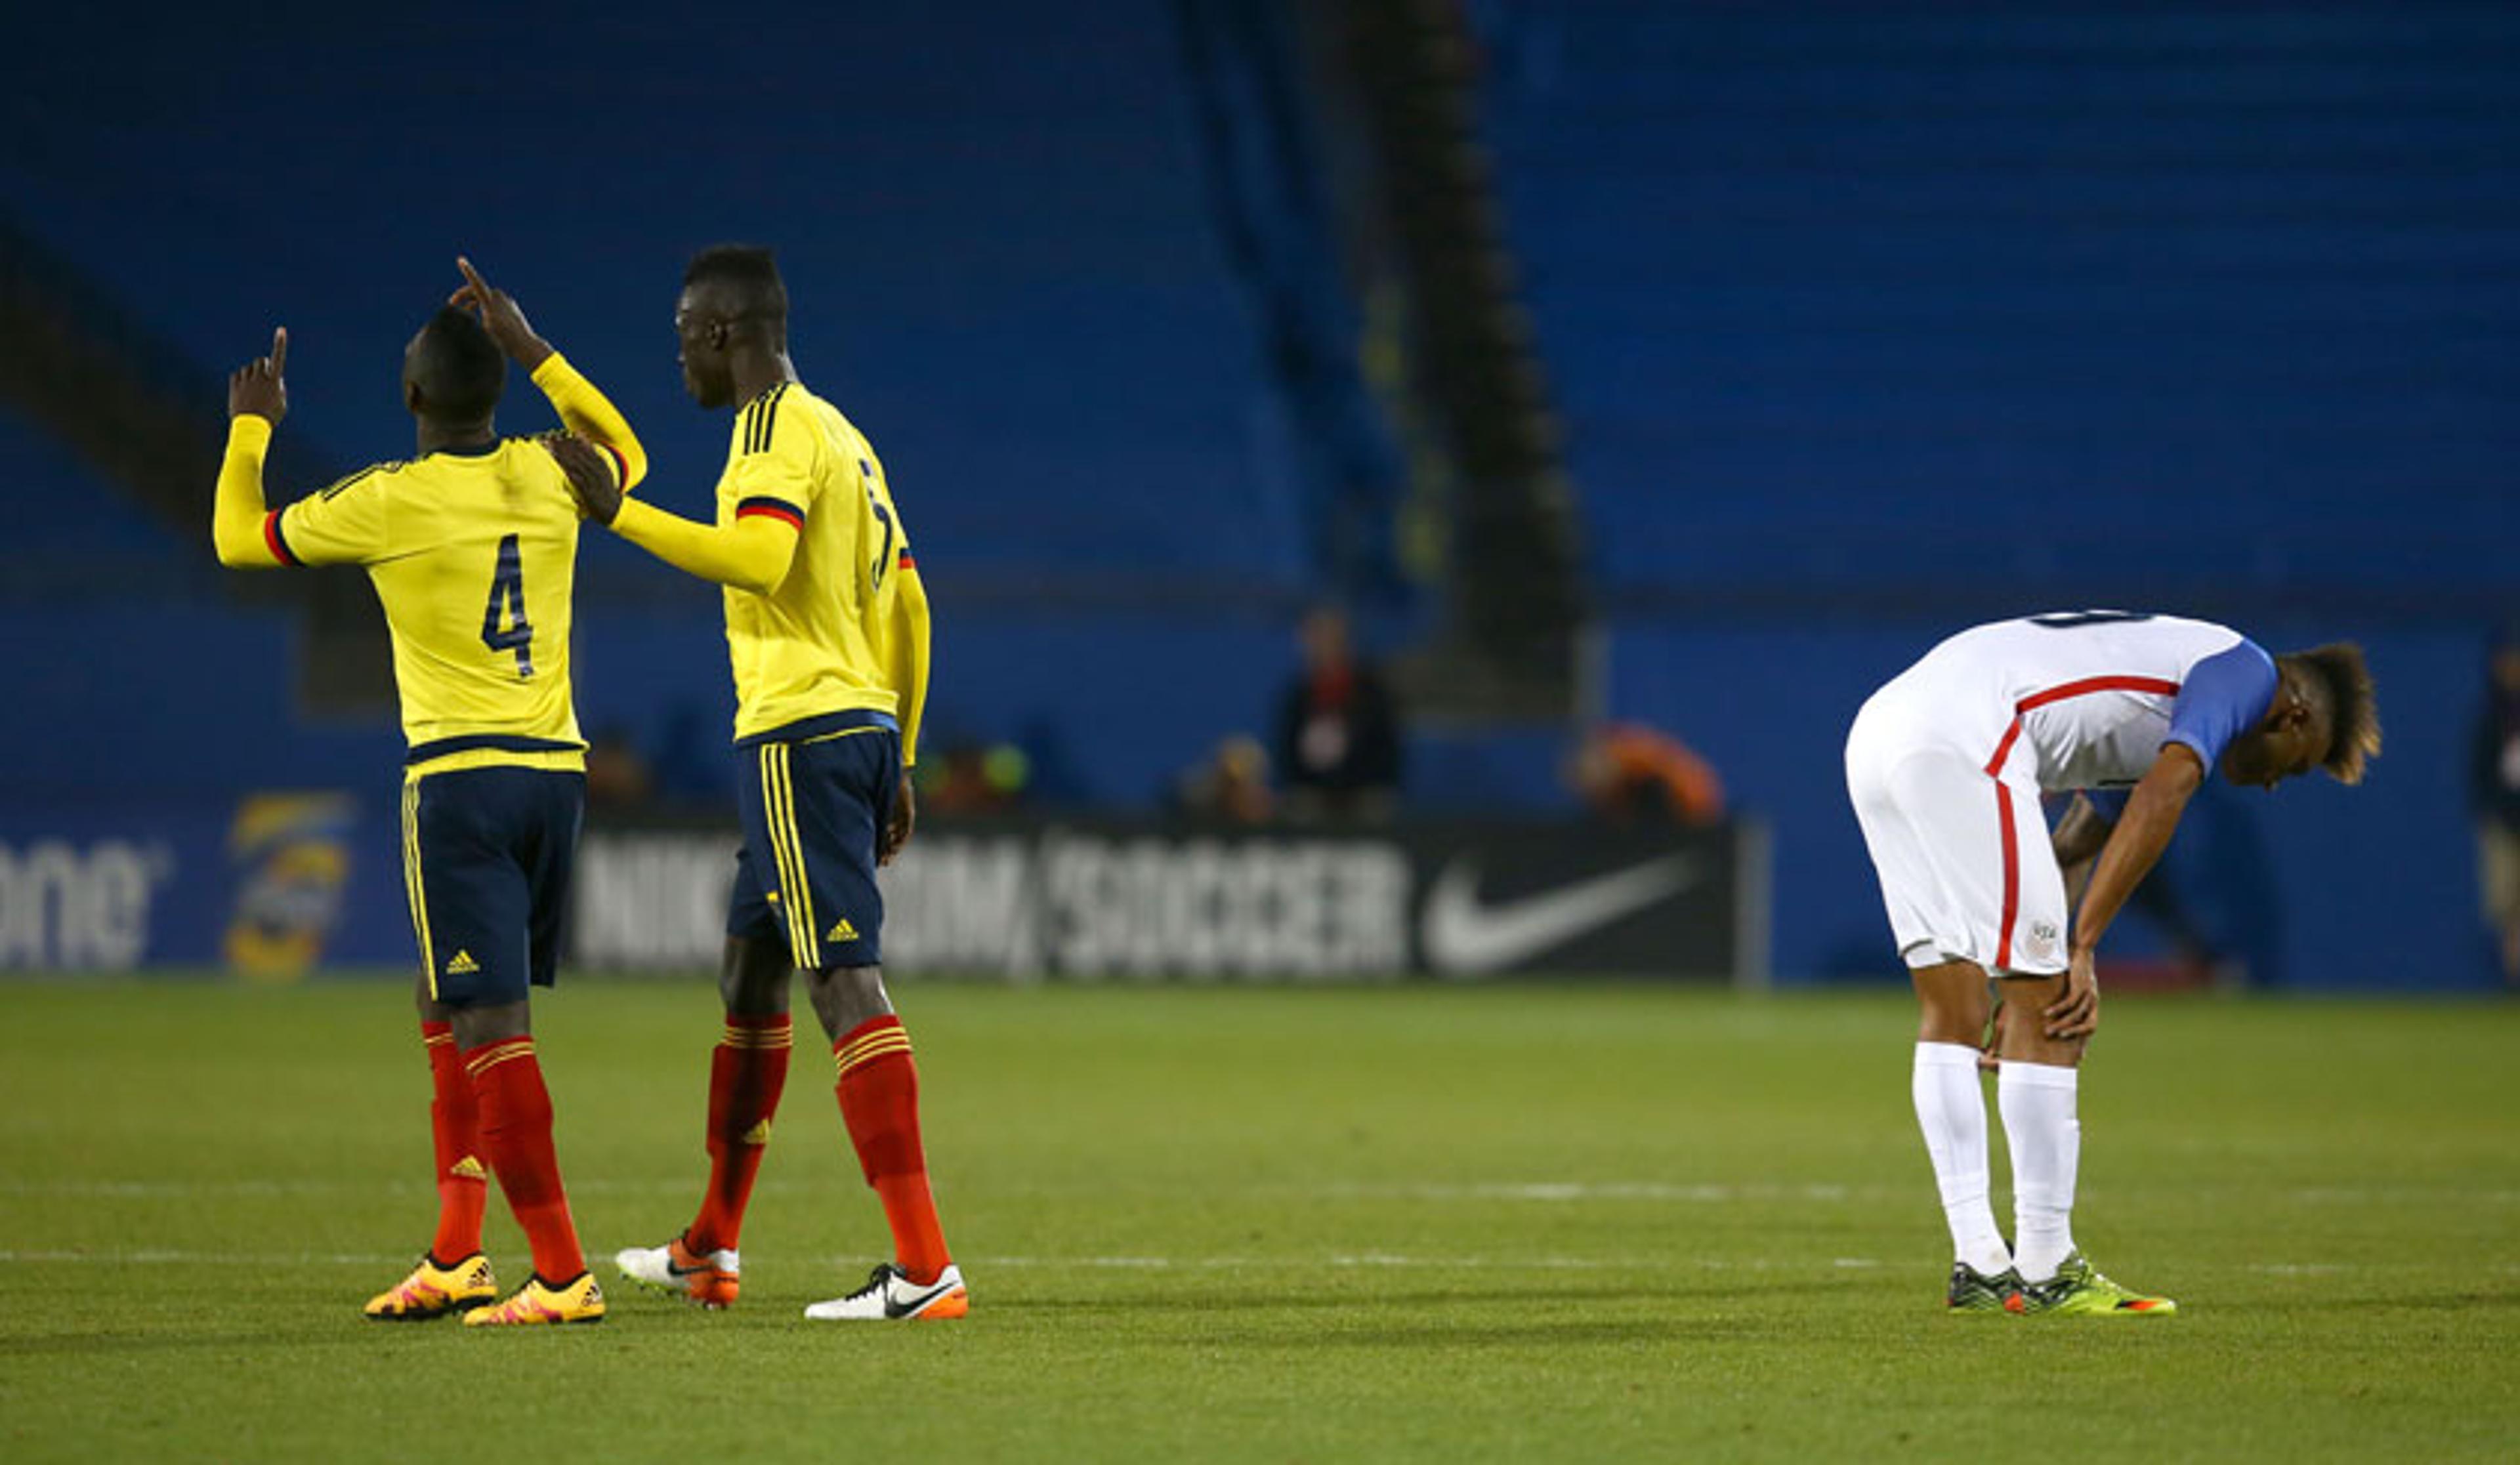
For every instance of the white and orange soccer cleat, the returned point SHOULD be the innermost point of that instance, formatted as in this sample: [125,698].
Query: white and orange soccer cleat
[711,1281]
[890,1295]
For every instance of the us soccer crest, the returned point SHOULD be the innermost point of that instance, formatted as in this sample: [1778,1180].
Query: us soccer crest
[2041,939]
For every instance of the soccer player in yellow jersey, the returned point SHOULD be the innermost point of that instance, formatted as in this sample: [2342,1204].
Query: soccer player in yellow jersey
[472,546]
[827,627]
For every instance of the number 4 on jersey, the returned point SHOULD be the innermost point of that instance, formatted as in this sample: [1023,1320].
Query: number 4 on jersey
[508,596]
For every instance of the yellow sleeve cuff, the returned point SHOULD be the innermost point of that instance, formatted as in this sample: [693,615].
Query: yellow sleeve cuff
[636,520]
[248,434]
[555,371]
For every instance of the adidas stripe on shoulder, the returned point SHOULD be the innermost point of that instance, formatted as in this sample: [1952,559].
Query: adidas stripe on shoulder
[761,419]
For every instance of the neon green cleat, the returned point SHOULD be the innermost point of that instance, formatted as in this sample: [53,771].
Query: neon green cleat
[2076,1290]
[433,1291]
[1973,1291]
[537,1302]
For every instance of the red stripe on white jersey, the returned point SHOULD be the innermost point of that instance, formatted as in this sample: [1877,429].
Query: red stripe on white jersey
[2011,875]
[2064,692]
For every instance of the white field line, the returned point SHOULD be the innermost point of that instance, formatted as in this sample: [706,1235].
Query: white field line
[1358,1262]
[1368,1261]
[154,1190]
[1532,1191]
[1612,1190]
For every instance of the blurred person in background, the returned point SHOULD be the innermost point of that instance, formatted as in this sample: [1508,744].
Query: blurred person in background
[2495,794]
[1231,785]
[2197,959]
[975,779]
[617,775]
[1627,773]
[1338,729]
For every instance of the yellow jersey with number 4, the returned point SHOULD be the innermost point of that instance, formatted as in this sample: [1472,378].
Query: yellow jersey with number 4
[473,555]
[845,631]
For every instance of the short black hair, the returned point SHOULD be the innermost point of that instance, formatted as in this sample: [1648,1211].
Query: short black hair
[459,369]
[2339,676]
[750,276]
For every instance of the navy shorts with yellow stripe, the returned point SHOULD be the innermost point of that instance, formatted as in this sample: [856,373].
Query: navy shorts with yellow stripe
[487,853]
[812,797]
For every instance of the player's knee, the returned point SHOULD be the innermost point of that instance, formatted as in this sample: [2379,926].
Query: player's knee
[1957,1020]
[846,996]
[2021,1036]
[1951,1003]
[494,1022]
[752,981]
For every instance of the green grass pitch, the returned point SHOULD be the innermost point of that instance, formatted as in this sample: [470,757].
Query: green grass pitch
[1224,1225]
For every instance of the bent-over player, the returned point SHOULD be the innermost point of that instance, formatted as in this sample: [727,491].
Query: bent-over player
[1946,765]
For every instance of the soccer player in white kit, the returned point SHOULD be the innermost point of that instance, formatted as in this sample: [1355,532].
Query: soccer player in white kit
[1946,766]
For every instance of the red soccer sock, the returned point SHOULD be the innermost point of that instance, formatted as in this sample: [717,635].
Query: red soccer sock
[517,1133]
[454,1122]
[879,1088]
[746,1075]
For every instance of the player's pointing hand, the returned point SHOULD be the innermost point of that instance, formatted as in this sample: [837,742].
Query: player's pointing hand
[501,316]
[256,388]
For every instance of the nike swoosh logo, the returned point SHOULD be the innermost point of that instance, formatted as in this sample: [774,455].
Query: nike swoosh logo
[902,1307]
[1465,938]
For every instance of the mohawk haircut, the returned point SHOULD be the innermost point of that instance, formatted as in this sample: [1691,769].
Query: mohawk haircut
[461,371]
[2340,674]
[748,274]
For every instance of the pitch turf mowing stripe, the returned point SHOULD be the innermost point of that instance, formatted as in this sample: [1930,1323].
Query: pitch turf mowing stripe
[154,1190]
[1366,1261]
[1542,1191]
[1616,1190]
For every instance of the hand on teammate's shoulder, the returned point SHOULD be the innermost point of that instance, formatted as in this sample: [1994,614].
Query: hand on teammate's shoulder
[593,480]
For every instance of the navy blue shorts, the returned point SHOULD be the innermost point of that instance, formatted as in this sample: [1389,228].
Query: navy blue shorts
[486,857]
[812,807]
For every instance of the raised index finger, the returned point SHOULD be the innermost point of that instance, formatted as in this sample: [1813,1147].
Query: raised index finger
[472,276]
[279,350]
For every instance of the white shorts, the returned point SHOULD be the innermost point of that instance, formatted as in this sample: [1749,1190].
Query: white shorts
[1966,870]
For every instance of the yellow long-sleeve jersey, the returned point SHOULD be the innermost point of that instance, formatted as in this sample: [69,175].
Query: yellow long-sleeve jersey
[824,611]
[472,553]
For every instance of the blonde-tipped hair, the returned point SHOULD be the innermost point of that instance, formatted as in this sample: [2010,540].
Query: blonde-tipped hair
[2339,677]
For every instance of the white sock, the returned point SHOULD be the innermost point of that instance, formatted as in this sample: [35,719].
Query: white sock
[2046,1141]
[1951,1108]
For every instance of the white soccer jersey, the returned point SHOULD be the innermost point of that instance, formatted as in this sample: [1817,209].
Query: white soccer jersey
[2085,699]
[1946,764]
